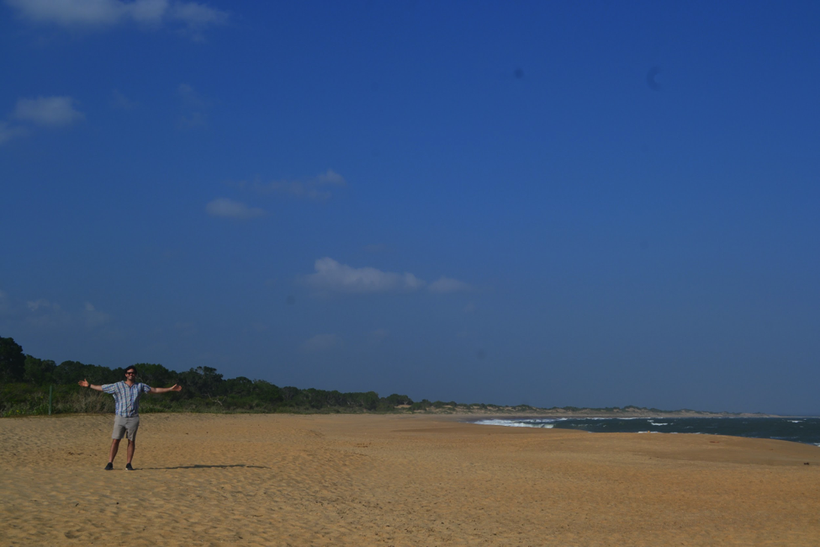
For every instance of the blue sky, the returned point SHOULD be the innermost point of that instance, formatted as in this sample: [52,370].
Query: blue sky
[551,203]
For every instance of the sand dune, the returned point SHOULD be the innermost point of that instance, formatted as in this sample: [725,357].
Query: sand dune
[396,480]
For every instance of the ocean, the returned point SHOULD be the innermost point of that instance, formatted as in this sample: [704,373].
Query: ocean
[799,430]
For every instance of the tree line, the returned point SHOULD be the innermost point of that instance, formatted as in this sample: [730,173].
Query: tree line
[25,381]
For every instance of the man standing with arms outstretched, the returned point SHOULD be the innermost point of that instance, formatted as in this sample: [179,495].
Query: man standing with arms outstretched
[127,419]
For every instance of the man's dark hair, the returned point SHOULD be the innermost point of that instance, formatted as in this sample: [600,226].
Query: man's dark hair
[132,367]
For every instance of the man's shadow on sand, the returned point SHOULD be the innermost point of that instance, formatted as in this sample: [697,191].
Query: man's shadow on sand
[198,466]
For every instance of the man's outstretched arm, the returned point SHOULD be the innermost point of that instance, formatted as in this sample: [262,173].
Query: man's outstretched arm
[175,387]
[85,383]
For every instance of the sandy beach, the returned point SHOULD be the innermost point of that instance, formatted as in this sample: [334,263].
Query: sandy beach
[396,480]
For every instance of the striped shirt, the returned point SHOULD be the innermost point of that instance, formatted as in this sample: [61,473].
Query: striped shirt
[126,399]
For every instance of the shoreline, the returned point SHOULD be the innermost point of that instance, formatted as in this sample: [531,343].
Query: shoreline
[801,430]
[632,416]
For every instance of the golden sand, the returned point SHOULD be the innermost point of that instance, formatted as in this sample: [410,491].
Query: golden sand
[396,480]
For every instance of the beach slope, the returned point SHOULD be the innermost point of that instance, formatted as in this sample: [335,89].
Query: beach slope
[396,480]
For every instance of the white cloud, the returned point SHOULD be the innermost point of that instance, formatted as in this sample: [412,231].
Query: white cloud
[446,284]
[146,11]
[317,188]
[228,208]
[47,111]
[46,314]
[197,18]
[42,111]
[8,132]
[194,17]
[42,303]
[194,120]
[194,105]
[331,276]
[94,317]
[335,277]
[71,12]
[322,342]
[120,101]
[330,177]
[191,98]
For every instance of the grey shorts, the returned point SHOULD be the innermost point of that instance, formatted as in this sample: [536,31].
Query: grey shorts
[125,426]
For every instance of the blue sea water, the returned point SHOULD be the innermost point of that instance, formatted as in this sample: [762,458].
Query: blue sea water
[800,430]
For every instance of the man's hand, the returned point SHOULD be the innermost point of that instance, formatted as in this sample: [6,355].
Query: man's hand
[175,387]
[85,383]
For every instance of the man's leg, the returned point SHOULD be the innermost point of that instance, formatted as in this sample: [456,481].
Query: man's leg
[129,452]
[133,426]
[115,445]
[120,429]
[116,437]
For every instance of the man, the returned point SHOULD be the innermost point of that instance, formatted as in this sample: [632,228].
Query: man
[127,419]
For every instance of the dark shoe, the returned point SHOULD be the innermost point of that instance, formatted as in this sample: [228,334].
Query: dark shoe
[128,467]
[109,466]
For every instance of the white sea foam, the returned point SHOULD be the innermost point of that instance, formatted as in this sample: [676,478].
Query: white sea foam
[717,426]
[517,423]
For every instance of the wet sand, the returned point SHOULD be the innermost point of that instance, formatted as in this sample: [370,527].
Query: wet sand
[396,480]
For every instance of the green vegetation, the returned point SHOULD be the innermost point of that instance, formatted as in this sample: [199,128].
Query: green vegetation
[25,381]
